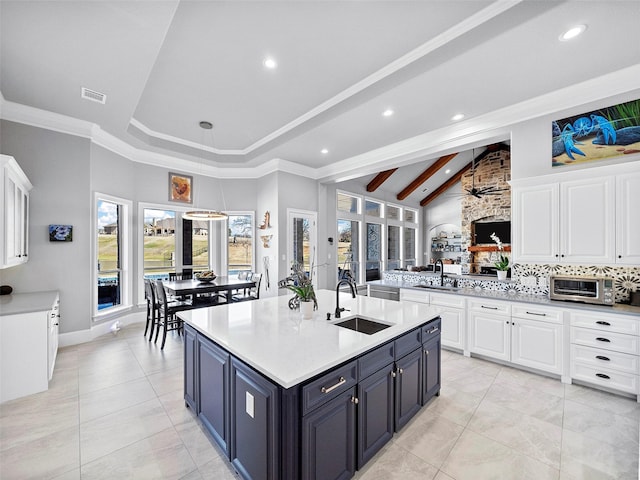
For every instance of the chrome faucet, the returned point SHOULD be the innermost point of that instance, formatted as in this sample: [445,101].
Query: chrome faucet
[441,270]
[353,294]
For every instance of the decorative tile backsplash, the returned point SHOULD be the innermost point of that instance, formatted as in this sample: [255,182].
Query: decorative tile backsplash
[532,279]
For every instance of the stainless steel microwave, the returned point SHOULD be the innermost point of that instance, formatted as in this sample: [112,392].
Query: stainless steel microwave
[597,290]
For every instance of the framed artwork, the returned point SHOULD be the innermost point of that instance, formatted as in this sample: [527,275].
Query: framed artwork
[60,233]
[180,188]
[598,135]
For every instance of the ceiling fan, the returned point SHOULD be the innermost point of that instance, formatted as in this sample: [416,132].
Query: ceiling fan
[480,192]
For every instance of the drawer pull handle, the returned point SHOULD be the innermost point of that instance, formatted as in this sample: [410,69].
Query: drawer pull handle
[341,381]
[490,308]
[602,375]
[601,322]
[539,314]
[600,357]
[433,330]
[354,400]
[602,339]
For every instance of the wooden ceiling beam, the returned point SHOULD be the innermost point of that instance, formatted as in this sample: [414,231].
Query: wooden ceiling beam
[446,185]
[379,180]
[424,176]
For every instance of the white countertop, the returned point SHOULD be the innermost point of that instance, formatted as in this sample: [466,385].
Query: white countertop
[277,342]
[27,302]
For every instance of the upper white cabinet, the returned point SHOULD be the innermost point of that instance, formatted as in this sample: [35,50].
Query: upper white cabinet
[14,205]
[586,217]
[628,218]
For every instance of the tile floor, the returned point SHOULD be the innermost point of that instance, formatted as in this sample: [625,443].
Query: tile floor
[114,410]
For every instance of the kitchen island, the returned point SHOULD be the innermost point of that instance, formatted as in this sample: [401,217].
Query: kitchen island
[289,398]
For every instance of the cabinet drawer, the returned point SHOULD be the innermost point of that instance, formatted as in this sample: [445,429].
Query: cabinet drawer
[373,361]
[599,358]
[408,343]
[624,382]
[431,330]
[604,322]
[414,296]
[329,386]
[534,312]
[444,300]
[490,306]
[616,342]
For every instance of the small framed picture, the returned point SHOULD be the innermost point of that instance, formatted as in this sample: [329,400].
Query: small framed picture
[60,233]
[180,188]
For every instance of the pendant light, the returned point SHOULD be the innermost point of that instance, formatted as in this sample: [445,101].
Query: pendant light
[206,215]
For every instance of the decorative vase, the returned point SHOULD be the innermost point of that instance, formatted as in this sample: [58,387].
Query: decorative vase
[306,309]
[502,274]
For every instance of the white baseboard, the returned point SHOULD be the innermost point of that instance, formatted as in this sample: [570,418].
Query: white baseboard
[83,336]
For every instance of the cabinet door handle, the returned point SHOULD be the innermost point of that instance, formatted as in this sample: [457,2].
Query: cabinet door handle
[602,375]
[426,352]
[330,389]
[400,371]
[538,314]
[600,357]
[433,330]
[490,308]
[354,400]
[393,374]
[602,339]
[602,322]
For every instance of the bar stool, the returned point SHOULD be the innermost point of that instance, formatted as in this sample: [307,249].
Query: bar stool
[152,307]
[167,318]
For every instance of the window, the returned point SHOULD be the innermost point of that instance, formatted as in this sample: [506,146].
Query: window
[393,247]
[373,209]
[348,248]
[112,287]
[394,213]
[159,244]
[195,245]
[410,216]
[374,251]
[409,246]
[348,203]
[240,243]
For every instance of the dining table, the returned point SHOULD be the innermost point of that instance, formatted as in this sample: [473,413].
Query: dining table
[198,289]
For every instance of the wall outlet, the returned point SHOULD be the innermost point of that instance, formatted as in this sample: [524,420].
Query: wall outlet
[542,282]
[529,281]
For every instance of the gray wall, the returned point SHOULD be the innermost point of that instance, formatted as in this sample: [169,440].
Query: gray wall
[58,167]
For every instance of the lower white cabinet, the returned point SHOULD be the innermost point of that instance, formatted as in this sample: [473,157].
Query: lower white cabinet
[28,349]
[490,328]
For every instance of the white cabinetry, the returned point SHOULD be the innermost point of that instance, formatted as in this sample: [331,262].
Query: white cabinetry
[489,328]
[605,350]
[628,219]
[28,344]
[587,216]
[14,206]
[453,315]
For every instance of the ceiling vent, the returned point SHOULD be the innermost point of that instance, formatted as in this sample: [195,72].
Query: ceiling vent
[94,96]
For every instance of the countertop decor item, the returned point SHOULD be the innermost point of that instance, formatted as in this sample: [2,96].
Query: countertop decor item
[502,265]
[302,285]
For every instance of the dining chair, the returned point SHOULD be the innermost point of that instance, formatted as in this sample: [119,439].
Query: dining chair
[180,275]
[167,318]
[152,308]
[252,293]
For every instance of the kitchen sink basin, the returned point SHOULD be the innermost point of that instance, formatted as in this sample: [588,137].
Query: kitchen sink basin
[448,288]
[362,325]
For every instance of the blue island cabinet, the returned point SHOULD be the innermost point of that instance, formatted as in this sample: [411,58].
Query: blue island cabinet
[322,429]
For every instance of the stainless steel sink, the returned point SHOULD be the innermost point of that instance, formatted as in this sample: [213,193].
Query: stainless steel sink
[448,288]
[362,325]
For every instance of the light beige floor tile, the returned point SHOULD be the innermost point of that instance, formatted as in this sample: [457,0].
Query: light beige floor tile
[619,461]
[549,385]
[603,400]
[397,463]
[469,381]
[529,401]
[600,424]
[112,432]
[45,457]
[36,416]
[175,407]
[454,405]
[199,445]
[111,399]
[525,434]
[429,437]
[443,476]
[218,469]
[195,475]
[167,382]
[70,475]
[475,457]
[107,373]
[160,456]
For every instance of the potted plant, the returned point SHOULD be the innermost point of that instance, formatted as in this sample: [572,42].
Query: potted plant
[502,265]
[302,285]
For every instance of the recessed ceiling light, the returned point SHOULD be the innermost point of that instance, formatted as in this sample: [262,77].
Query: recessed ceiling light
[447,171]
[387,113]
[573,32]
[324,151]
[457,116]
[270,63]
